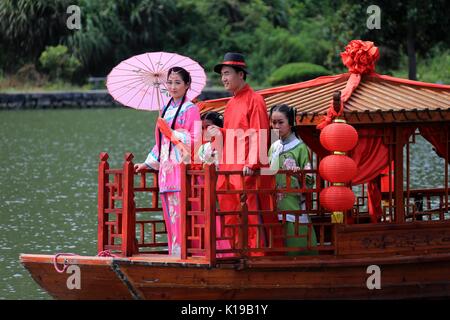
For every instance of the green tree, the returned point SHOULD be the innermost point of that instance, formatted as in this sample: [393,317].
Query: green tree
[26,27]
[410,27]
[59,64]
[297,72]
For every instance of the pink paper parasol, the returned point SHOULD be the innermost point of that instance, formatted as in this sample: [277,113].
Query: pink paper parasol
[140,81]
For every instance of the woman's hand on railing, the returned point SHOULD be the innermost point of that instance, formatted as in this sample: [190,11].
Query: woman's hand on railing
[138,167]
[296,169]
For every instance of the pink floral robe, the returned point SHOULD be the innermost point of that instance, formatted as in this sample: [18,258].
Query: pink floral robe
[169,167]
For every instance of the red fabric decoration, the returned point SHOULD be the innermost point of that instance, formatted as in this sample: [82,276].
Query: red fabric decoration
[310,136]
[371,156]
[337,168]
[374,201]
[437,136]
[384,180]
[360,56]
[352,82]
[165,129]
[336,198]
[339,137]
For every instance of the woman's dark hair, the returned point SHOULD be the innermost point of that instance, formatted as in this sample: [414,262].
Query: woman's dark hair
[186,77]
[215,117]
[288,111]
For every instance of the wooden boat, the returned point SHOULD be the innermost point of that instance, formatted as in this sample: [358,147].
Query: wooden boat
[402,253]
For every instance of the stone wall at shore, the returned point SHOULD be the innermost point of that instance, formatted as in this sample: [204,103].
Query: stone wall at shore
[81,99]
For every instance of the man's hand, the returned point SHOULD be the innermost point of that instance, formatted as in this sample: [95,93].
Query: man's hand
[247,171]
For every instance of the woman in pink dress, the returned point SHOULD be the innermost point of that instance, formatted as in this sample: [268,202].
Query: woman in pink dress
[174,131]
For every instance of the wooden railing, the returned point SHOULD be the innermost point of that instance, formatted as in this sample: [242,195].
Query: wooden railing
[273,232]
[120,227]
[419,205]
[130,219]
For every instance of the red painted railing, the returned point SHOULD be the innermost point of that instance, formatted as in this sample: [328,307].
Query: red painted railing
[118,229]
[122,230]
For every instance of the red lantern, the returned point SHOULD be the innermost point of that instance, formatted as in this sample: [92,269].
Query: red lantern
[337,168]
[339,136]
[337,198]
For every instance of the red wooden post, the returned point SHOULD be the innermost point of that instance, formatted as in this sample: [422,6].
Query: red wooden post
[398,176]
[128,213]
[210,213]
[244,249]
[183,208]
[155,194]
[103,179]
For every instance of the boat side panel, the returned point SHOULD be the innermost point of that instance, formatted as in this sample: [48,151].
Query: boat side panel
[97,280]
[398,281]
[389,240]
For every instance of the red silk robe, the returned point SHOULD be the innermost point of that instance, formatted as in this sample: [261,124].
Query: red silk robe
[246,110]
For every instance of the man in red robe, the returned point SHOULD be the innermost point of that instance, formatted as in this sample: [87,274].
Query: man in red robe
[245,140]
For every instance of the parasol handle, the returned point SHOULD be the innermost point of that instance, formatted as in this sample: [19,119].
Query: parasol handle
[157,96]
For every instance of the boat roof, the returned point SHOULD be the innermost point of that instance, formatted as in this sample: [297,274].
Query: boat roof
[377,99]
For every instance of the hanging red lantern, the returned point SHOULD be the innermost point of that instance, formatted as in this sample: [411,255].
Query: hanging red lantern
[337,168]
[339,136]
[337,198]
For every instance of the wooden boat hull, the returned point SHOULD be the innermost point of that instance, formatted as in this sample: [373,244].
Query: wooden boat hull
[312,278]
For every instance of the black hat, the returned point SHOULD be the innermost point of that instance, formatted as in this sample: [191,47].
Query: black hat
[234,60]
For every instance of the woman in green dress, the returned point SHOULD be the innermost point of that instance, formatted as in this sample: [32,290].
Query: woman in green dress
[290,153]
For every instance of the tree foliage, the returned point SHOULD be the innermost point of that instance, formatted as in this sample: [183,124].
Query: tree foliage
[271,33]
[296,72]
[59,63]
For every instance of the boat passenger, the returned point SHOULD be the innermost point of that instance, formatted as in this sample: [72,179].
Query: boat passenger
[290,153]
[174,133]
[245,113]
[208,152]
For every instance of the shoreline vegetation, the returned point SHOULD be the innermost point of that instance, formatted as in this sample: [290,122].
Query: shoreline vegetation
[42,50]
[434,69]
[73,99]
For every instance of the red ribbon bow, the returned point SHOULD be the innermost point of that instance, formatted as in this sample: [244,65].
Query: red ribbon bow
[359,57]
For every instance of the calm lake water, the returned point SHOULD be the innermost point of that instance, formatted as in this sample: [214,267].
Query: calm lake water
[48,190]
[48,193]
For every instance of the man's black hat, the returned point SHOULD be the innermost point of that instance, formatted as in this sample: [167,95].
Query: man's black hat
[232,59]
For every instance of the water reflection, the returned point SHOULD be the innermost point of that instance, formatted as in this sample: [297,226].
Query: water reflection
[49,190]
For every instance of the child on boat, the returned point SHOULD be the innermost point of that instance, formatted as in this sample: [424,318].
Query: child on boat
[290,153]
[209,155]
[207,152]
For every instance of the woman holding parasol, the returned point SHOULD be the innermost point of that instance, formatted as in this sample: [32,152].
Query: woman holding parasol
[166,82]
[174,130]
